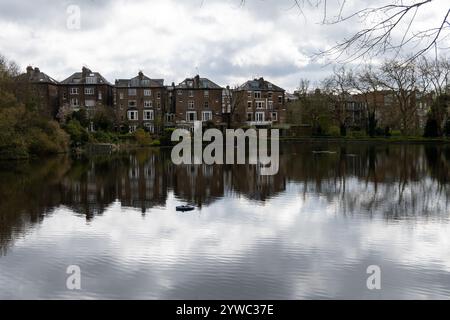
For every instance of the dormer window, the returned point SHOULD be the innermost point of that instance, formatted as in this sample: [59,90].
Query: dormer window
[91,80]
[190,83]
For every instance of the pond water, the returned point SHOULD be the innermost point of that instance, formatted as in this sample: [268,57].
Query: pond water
[311,231]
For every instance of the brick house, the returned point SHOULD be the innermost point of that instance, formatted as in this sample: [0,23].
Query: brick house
[37,87]
[259,103]
[140,102]
[198,99]
[85,89]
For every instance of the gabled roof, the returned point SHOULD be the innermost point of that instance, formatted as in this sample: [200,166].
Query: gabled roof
[36,76]
[80,77]
[259,85]
[197,83]
[140,80]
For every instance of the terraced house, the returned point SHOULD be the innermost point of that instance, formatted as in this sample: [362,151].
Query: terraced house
[140,102]
[38,88]
[85,89]
[260,103]
[198,99]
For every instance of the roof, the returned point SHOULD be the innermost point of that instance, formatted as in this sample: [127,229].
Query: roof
[36,76]
[259,85]
[140,80]
[197,83]
[80,77]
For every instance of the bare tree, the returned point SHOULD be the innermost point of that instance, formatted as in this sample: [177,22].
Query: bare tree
[368,85]
[402,80]
[338,88]
[233,102]
[435,76]
[383,29]
[389,28]
[303,87]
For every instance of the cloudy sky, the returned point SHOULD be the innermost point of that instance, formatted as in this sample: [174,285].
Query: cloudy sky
[173,39]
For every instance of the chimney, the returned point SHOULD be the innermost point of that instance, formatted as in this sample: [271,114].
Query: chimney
[29,70]
[141,75]
[196,81]
[36,70]
[85,71]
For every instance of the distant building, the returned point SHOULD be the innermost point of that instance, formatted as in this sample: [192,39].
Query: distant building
[39,89]
[198,99]
[140,102]
[85,89]
[261,103]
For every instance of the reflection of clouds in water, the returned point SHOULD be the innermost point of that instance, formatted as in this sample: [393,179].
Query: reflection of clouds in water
[310,231]
[287,248]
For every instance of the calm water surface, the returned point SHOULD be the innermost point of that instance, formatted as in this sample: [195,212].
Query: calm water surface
[308,232]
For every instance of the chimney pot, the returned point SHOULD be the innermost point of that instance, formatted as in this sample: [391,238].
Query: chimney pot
[29,69]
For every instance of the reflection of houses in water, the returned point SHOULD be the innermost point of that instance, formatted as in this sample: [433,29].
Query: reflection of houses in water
[145,184]
[198,183]
[248,181]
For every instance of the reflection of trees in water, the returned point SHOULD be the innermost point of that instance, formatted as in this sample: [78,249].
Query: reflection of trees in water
[28,191]
[395,180]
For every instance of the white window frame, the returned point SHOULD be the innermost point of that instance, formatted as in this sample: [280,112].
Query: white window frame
[147,92]
[270,105]
[276,116]
[73,90]
[120,95]
[259,116]
[257,94]
[148,104]
[206,93]
[206,118]
[148,115]
[133,115]
[191,104]
[134,105]
[259,104]
[74,102]
[191,112]
[100,95]
[89,91]
[150,127]
[191,93]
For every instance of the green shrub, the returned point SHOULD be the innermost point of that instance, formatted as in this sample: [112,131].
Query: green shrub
[142,137]
[156,143]
[78,134]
